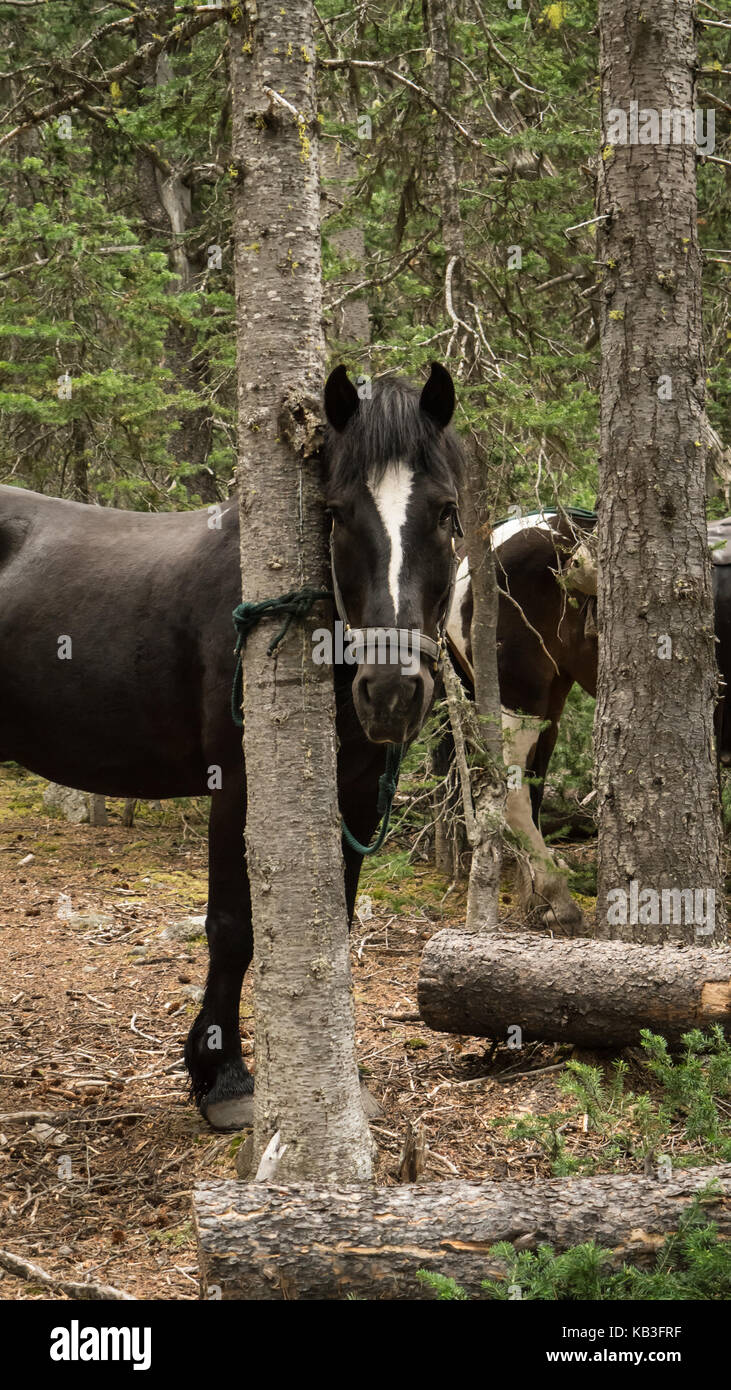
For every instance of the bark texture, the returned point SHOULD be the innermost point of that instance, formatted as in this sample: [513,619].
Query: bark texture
[657,797]
[488,792]
[594,993]
[311,1242]
[307,1086]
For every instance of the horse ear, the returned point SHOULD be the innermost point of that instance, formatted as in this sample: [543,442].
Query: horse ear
[341,398]
[437,398]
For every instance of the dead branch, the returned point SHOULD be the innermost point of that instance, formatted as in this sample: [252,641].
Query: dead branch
[25,1269]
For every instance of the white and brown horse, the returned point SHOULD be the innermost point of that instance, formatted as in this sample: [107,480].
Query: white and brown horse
[547,641]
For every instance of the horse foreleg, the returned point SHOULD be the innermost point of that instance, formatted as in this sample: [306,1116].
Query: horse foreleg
[543,885]
[372,1107]
[540,758]
[220,1082]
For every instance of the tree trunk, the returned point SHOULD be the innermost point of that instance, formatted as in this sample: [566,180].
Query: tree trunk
[79,460]
[489,793]
[449,833]
[97,809]
[484,883]
[167,206]
[657,800]
[307,1090]
[310,1242]
[351,320]
[594,993]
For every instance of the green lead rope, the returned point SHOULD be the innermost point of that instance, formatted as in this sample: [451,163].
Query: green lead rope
[296,605]
[387,784]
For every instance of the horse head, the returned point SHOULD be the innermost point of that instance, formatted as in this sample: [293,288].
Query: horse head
[394,469]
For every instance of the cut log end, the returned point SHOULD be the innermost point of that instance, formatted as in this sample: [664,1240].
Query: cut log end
[716,1000]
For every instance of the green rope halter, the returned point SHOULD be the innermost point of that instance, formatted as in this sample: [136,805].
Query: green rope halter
[296,605]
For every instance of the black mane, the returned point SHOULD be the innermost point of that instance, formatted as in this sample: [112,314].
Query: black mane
[392,426]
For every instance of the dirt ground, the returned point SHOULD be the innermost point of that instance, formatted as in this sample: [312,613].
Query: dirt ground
[99,1146]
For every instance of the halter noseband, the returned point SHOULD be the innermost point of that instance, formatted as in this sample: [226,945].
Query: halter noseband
[413,639]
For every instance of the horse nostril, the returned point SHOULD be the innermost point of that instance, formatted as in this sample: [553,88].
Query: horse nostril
[387,698]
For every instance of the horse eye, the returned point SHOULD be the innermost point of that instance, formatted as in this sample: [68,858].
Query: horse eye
[333,513]
[447,514]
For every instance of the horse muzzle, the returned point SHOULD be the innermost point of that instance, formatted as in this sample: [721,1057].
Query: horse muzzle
[390,705]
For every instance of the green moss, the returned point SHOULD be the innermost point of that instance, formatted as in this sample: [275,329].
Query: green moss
[21,793]
[174,1238]
[399,886]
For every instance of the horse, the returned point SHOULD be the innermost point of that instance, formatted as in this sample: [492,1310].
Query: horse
[547,642]
[116,657]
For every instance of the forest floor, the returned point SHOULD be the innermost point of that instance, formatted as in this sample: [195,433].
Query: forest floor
[101,970]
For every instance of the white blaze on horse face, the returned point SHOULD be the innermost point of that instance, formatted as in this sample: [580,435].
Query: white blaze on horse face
[391,495]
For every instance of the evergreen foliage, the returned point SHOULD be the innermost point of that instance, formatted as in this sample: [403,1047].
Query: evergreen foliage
[78,183]
[694,1264]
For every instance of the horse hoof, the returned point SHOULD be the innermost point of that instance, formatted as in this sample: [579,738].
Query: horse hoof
[236,1112]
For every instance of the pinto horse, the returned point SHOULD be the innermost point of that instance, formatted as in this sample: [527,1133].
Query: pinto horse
[116,662]
[547,642]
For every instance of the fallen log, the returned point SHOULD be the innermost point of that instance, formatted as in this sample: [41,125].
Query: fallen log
[263,1241]
[595,993]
